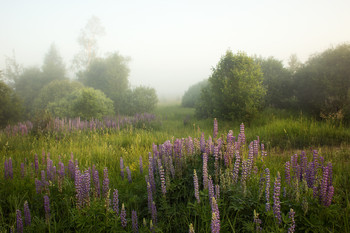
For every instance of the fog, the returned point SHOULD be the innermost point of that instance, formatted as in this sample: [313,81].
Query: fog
[173,45]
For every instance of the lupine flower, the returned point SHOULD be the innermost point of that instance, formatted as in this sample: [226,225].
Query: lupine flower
[19,222]
[129,174]
[96,181]
[162,180]
[22,170]
[276,199]
[47,208]
[135,227]
[215,221]
[324,185]
[116,201]
[205,170]
[78,188]
[191,229]
[329,195]
[121,167]
[105,183]
[330,174]
[202,143]
[27,217]
[150,197]
[287,172]
[141,166]
[154,213]
[267,189]
[123,216]
[242,134]
[236,167]
[257,222]
[291,214]
[215,131]
[151,173]
[36,162]
[196,188]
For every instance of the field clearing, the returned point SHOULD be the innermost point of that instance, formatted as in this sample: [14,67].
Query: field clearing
[283,135]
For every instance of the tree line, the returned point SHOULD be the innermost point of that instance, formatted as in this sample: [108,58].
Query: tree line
[101,87]
[240,86]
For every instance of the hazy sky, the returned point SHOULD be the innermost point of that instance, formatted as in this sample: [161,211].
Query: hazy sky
[173,44]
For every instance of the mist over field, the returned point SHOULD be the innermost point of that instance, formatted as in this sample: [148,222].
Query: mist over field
[175,116]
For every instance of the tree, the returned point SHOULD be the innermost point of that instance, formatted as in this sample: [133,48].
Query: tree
[141,100]
[13,70]
[322,85]
[277,81]
[110,75]
[192,95]
[294,63]
[235,90]
[10,105]
[28,86]
[53,67]
[88,43]
[54,92]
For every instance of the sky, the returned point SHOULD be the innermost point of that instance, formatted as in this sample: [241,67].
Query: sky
[173,44]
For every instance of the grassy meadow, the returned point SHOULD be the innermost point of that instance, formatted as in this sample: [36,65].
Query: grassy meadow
[293,177]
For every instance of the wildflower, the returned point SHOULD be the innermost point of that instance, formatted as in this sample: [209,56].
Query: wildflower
[210,189]
[236,167]
[47,208]
[134,221]
[19,221]
[162,180]
[150,197]
[291,214]
[105,183]
[257,222]
[276,199]
[215,131]
[116,201]
[287,172]
[96,181]
[215,221]
[191,229]
[123,216]
[154,213]
[27,217]
[267,189]
[202,143]
[205,170]
[196,189]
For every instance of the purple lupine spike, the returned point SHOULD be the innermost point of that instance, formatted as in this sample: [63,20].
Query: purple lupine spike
[215,221]
[116,201]
[267,189]
[36,163]
[205,170]
[141,165]
[19,222]
[257,222]
[202,143]
[86,185]
[324,185]
[27,217]
[135,227]
[236,167]
[6,169]
[162,180]
[287,172]
[151,173]
[154,213]
[105,183]
[172,169]
[123,216]
[291,215]
[330,174]
[78,188]
[242,134]
[121,168]
[255,148]
[47,208]
[276,199]
[215,131]
[329,195]
[97,188]
[38,186]
[150,197]
[129,174]
[196,186]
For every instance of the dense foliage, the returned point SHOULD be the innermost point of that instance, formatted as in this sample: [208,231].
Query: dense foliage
[10,105]
[192,96]
[235,89]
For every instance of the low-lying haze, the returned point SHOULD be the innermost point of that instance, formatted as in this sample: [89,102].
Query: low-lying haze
[173,44]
